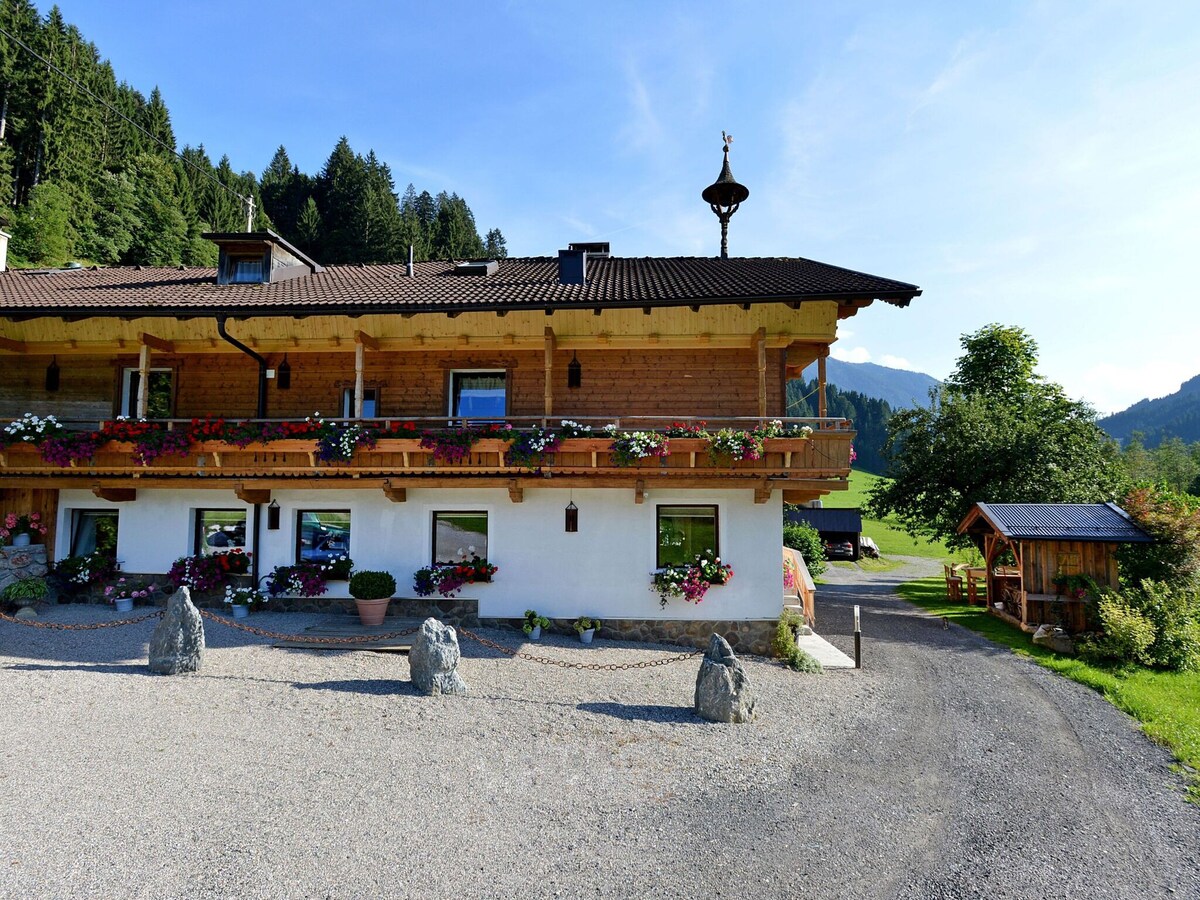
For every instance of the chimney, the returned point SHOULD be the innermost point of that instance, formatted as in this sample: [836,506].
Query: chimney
[572,266]
[409,270]
[4,236]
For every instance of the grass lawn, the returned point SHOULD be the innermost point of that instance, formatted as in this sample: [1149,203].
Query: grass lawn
[1166,703]
[892,541]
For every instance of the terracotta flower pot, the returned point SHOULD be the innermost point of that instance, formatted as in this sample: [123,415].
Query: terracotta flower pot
[372,612]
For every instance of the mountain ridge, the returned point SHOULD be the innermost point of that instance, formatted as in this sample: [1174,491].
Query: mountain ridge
[1161,418]
[899,388]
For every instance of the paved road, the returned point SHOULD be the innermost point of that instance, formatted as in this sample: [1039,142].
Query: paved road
[984,775]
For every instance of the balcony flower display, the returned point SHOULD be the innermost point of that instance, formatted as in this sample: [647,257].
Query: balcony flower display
[528,448]
[31,429]
[690,581]
[628,448]
[337,442]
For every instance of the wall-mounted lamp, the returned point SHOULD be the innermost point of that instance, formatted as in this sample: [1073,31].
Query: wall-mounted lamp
[273,516]
[574,372]
[572,517]
[283,375]
[52,375]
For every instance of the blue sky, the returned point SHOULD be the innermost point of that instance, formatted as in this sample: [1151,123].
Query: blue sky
[1029,163]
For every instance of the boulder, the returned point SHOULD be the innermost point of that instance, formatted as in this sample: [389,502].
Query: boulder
[177,644]
[1054,638]
[723,692]
[433,660]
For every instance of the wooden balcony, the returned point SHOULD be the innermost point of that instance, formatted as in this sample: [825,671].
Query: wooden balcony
[812,465]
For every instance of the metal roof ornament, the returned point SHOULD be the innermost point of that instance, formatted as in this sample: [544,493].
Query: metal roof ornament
[725,195]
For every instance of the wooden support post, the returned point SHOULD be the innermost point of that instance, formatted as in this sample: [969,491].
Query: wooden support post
[515,492]
[358,381]
[550,344]
[252,495]
[760,344]
[113,494]
[821,408]
[395,494]
[143,394]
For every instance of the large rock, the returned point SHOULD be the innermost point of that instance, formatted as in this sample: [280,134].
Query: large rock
[1054,638]
[723,692]
[177,644]
[433,660]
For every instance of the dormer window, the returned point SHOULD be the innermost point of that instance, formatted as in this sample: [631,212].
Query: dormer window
[247,271]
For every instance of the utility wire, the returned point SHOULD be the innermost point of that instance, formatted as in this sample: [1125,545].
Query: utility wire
[101,100]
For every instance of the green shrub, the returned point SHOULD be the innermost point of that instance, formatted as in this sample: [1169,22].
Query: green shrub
[369,585]
[806,540]
[1125,634]
[784,645]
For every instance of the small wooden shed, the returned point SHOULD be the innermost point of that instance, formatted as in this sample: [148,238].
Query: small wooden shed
[1048,540]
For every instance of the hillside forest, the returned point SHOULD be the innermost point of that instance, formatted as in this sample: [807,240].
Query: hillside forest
[89,172]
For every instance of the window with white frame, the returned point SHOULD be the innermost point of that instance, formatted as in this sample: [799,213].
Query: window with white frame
[478,394]
[685,532]
[160,400]
[459,536]
[219,530]
[94,531]
[370,403]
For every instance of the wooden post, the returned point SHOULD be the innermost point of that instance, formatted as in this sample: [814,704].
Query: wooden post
[358,381]
[143,395]
[760,340]
[822,410]
[550,343]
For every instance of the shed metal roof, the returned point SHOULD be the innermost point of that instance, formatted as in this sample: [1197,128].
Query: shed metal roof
[847,520]
[1104,522]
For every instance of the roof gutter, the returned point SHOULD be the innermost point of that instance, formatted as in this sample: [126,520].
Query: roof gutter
[259,358]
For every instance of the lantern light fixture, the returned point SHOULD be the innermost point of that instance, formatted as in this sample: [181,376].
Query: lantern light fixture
[52,375]
[273,516]
[574,372]
[283,375]
[572,517]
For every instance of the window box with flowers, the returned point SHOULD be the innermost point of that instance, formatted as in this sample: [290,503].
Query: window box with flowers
[690,581]
[448,579]
[305,579]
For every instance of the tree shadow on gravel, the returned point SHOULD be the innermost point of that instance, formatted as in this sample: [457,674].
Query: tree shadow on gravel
[644,712]
[102,668]
[382,686]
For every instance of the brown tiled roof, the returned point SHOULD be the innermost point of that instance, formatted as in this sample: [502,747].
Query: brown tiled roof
[530,283]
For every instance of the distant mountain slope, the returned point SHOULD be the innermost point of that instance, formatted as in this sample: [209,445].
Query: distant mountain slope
[1176,415]
[900,388]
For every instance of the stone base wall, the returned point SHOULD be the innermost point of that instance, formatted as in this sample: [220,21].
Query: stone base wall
[456,611]
[19,563]
[744,636]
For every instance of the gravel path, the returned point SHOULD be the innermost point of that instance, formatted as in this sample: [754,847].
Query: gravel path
[947,768]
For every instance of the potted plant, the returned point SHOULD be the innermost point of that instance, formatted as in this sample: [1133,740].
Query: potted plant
[19,529]
[372,591]
[241,600]
[122,592]
[25,592]
[534,624]
[586,628]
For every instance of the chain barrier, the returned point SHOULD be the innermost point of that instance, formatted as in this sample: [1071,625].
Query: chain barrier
[279,636]
[95,626]
[563,664]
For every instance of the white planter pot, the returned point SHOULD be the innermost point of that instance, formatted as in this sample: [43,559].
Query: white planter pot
[240,610]
[21,540]
[536,633]
[125,604]
[586,636]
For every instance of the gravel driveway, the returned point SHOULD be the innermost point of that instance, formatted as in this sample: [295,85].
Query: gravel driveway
[947,768]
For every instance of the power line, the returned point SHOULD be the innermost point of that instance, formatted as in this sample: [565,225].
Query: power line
[102,101]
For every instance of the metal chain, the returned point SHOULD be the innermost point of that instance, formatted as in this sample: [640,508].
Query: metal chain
[563,664]
[279,636]
[59,626]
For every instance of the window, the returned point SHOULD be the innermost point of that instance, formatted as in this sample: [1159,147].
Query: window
[322,535]
[685,532]
[370,402]
[247,271]
[94,530]
[459,535]
[159,402]
[478,395]
[219,530]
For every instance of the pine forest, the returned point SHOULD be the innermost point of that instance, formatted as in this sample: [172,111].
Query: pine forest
[90,173]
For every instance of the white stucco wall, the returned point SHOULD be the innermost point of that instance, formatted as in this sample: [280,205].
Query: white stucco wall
[601,570]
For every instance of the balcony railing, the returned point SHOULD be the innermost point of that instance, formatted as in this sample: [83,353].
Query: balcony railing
[824,453]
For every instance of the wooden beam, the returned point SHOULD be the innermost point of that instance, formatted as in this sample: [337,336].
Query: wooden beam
[639,491]
[114,494]
[760,342]
[550,344]
[358,380]
[393,493]
[365,340]
[515,492]
[762,493]
[162,346]
[252,495]
[143,394]
[11,345]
